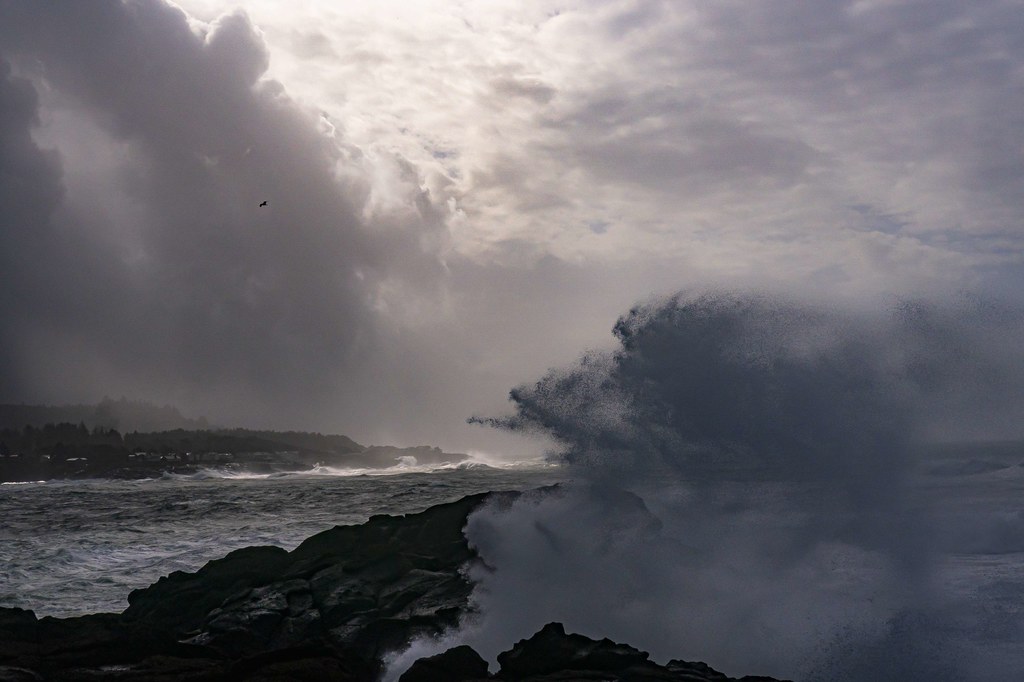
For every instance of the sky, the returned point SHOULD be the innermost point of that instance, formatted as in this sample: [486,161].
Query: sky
[461,195]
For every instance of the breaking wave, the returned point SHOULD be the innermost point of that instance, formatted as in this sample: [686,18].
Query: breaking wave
[406,465]
[749,491]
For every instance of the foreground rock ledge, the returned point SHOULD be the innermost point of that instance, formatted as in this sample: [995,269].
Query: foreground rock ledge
[328,610]
[553,656]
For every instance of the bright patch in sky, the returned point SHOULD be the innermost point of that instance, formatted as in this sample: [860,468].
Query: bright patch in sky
[724,134]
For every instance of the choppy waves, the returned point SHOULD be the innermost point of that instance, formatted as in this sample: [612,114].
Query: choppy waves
[405,465]
[74,547]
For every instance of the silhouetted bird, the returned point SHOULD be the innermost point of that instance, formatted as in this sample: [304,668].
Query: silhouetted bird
[263,204]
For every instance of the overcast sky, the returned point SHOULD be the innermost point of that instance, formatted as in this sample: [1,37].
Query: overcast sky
[463,194]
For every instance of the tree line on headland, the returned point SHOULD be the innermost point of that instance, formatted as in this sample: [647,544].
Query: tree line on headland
[122,414]
[32,452]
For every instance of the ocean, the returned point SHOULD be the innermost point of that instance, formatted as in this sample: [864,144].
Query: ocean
[737,577]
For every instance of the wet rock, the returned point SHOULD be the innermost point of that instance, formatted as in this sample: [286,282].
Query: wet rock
[19,635]
[552,650]
[263,618]
[181,601]
[310,662]
[81,648]
[459,664]
[552,655]
[371,588]
[697,670]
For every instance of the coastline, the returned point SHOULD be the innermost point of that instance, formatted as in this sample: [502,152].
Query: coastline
[335,607]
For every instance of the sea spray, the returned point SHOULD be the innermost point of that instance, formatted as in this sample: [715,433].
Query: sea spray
[773,447]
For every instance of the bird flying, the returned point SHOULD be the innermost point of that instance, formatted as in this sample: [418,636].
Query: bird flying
[263,204]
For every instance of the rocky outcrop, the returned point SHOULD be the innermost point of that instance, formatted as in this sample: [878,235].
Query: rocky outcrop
[368,588]
[551,650]
[551,655]
[335,604]
[328,610]
[458,664]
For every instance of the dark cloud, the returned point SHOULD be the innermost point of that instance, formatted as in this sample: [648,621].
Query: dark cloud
[178,282]
[30,190]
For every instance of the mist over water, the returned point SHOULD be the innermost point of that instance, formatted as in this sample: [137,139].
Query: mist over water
[752,488]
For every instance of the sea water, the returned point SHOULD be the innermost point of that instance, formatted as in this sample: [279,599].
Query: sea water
[73,547]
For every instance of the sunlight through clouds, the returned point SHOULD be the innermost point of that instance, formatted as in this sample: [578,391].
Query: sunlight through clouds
[462,194]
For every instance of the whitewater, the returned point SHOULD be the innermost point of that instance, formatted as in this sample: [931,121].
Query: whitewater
[779,487]
[73,547]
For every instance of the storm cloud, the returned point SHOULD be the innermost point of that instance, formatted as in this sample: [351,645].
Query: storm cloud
[175,276]
[462,196]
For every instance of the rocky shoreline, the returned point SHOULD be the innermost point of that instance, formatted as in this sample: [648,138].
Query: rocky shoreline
[331,609]
[68,451]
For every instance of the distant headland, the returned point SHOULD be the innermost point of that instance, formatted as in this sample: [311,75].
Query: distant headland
[131,439]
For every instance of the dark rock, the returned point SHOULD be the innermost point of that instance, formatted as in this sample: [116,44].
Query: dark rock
[309,670]
[269,617]
[152,669]
[551,650]
[553,656]
[697,670]
[104,639]
[312,662]
[460,664]
[19,635]
[328,610]
[371,588]
[181,601]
